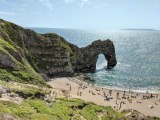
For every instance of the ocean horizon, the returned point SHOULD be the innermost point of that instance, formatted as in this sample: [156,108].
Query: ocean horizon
[137,52]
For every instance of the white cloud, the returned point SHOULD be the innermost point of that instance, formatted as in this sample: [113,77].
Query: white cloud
[84,2]
[7,13]
[47,3]
[69,1]
[13,6]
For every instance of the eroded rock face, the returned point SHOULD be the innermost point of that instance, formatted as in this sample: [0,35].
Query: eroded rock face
[50,54]
[86,57]
[7,62]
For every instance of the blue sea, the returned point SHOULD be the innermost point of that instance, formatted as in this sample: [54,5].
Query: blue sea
[137,52]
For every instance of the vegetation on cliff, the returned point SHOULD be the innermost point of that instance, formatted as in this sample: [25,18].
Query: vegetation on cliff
[13,69]
[47,55]
[27,58]
[35,106]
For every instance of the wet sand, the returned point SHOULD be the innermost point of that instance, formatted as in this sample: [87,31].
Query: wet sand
[148,104]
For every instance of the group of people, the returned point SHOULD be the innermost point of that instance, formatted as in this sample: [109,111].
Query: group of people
[149,96]
[120,99]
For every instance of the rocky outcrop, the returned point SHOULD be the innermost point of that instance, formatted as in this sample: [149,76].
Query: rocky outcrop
[49,54]
[86,57]
[135,115]
[5,116]
[7,62]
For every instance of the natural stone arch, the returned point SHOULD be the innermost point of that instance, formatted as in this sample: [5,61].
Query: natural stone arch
[49,54]
[86,57]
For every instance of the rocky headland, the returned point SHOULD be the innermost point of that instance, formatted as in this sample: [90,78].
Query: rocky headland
[24,51]
[28,59]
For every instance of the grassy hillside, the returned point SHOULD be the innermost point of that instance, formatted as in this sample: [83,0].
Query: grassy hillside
[34,107]
[14,65]
[22,71]
[25,54]
[60,109]
[24,94]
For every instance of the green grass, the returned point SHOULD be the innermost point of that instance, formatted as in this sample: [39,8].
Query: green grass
[25,90]
[25,73]
[61,109]
[66,46]
[4,44]
[4,47]
[89,113]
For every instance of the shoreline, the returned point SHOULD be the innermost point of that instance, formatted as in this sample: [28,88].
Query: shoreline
[109,88]
[157,91]
[132,100]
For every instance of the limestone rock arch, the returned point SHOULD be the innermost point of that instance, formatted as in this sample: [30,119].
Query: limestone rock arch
[86,57]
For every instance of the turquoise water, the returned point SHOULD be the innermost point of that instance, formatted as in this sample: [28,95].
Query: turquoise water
[137,52]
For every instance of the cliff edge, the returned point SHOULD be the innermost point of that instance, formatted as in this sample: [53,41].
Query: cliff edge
[28,56]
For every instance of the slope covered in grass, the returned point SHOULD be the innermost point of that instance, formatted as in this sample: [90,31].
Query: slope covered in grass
[39,103]
[60,109]
[13,62]
[21,70]
[26,56]
[35,107]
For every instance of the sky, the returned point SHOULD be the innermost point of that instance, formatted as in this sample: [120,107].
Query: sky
[83,14]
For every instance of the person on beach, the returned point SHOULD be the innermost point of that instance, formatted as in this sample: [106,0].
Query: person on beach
[124,93]
[77,93]
[122,102]
[106,98]
[78,90]
[116,104]
[80,93]
[110,92]
[104,93]
[81,85]
[117,95]
[152,96]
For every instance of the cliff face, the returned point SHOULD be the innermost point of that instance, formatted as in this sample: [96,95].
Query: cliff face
[24,51]
[86,57]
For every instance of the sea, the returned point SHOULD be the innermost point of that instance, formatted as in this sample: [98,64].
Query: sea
[137,53]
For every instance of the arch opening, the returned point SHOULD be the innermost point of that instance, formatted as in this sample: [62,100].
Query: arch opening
[101,62]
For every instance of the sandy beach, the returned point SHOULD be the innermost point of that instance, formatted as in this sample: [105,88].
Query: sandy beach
[148,104]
